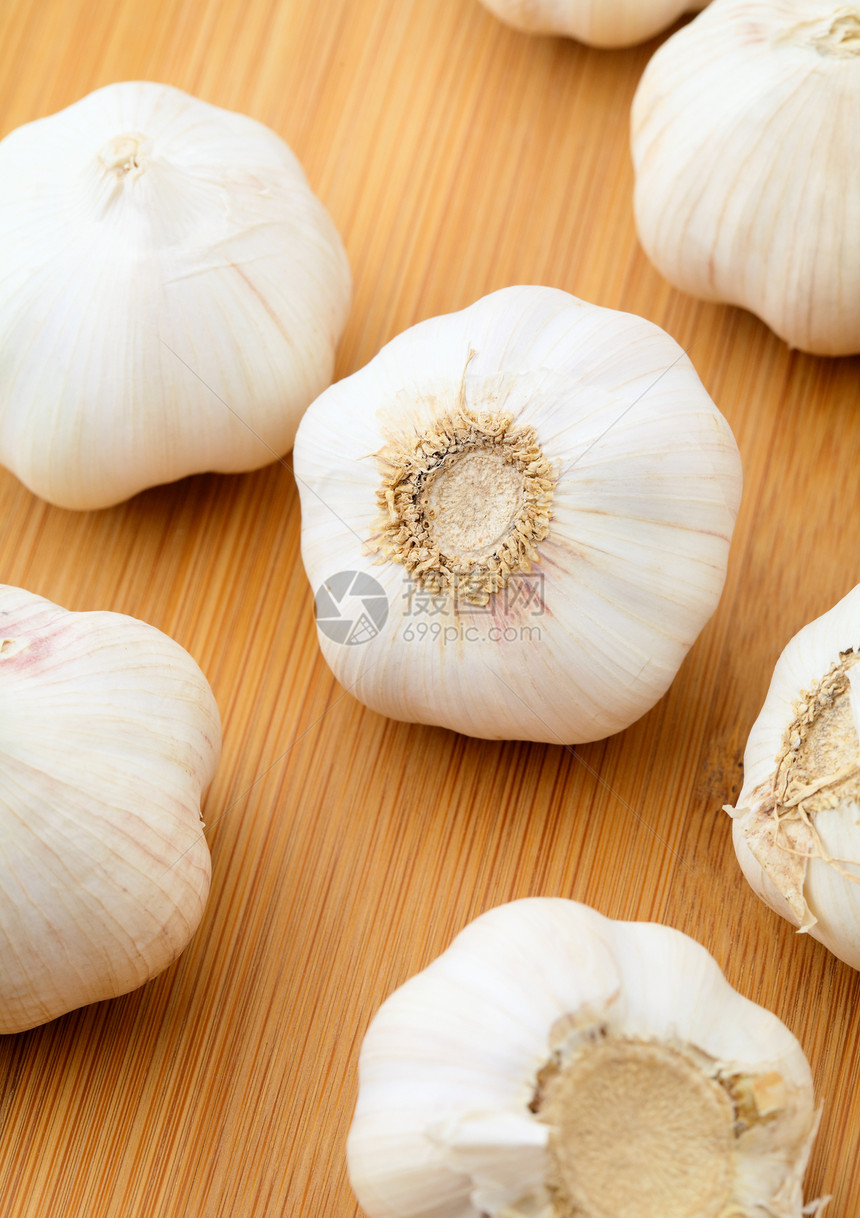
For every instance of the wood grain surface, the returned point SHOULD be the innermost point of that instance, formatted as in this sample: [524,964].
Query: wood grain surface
[456,156]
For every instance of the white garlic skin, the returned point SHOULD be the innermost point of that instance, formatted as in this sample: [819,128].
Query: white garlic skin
[642,517]
[811,894]
[171,295]
[109,735]
[600,23]
[450,1062]
[745,147]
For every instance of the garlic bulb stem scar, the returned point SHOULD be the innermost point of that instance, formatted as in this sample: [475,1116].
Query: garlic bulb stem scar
[122,154]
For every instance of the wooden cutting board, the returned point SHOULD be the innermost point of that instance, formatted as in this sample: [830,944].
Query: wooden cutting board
[456,156]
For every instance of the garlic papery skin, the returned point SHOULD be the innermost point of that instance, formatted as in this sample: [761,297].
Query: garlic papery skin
[745,147]
[109,734]
[171,295]
[600,23]
[516,518]
[553,1063]
[796,827]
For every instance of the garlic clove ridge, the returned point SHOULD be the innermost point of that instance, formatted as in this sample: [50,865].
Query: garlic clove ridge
[109,734]
[171,294]
[743,144]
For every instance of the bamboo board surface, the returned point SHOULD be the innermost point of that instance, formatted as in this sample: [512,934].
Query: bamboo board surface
[456,156]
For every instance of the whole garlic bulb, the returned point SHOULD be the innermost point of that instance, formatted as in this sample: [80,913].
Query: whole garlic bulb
[517,518]
[745,147]
[600,23]
[555,1064]
[109,734]
[796,826]
[171,294]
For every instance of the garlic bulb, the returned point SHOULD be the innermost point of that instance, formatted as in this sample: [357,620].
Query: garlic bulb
[745,148]
[555,1064]
[171,294]
[797,822]
[517,518]
[601,23]
[109,734]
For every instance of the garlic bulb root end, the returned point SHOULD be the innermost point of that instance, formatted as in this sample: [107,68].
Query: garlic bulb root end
[555,1064]
[464,505]
[631,1117]
[817,767]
